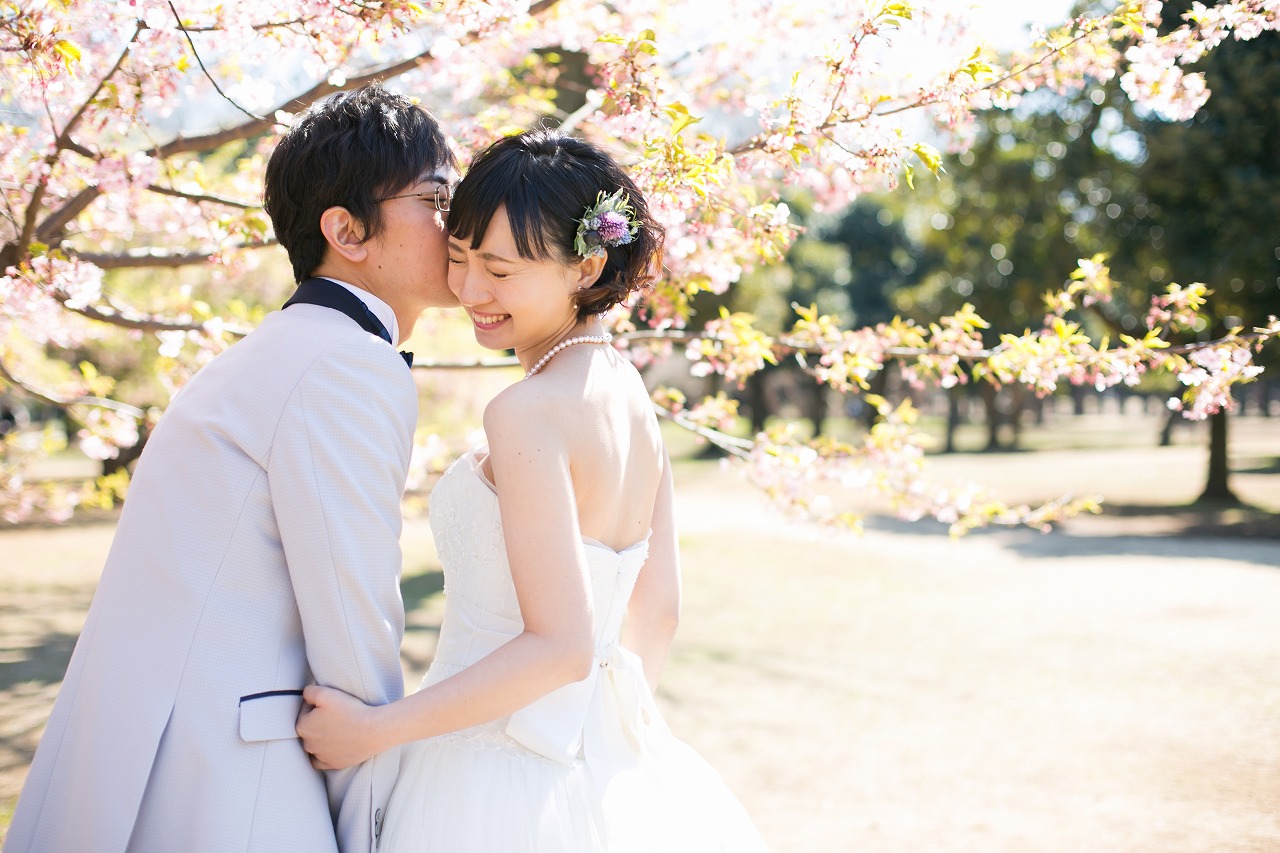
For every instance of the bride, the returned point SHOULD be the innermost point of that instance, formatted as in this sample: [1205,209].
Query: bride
[535,728]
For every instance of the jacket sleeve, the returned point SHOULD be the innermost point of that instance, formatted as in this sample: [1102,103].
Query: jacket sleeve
[337,472]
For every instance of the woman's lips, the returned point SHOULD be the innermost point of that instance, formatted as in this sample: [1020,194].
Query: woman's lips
[488,321]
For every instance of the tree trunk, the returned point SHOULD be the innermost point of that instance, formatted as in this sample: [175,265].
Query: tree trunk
[1078,393]
[1216,488]
[1166,432]
[879,386]
[990,402]
[756,401]
[127,455]
[953,416]
[817,400]
[1037,406]
[1016,409]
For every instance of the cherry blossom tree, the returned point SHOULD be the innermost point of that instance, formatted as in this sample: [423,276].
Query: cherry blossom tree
[135,134]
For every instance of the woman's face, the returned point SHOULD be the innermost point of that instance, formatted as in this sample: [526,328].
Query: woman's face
[513,302]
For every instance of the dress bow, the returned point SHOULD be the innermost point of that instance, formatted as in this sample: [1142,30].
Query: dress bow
[603,719]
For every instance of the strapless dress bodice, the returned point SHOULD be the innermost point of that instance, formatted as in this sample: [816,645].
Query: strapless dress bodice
[479,592]
[482,613]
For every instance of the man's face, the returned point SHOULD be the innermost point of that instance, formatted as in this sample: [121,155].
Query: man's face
[409,257]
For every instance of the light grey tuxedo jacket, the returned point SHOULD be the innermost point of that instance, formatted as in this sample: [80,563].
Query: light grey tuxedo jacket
[258,550]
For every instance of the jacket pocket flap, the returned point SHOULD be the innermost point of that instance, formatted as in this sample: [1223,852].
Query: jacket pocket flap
[270,716]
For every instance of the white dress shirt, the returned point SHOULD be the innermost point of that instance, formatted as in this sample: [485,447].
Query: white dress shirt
[380,309]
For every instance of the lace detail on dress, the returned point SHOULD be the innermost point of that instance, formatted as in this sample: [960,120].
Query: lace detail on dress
[469,540]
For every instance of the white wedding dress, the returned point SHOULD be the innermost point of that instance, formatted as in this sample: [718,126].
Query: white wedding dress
[590,768]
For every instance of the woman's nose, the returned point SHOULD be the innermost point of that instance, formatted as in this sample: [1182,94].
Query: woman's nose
[468,287]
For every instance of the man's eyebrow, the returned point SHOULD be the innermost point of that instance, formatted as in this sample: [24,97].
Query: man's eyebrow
[434,178]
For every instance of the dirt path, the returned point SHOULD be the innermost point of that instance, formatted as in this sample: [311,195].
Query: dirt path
[1003,694]
[1009,693]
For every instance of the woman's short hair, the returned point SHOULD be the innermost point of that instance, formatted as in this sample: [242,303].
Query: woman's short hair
[546,182]
[347,151]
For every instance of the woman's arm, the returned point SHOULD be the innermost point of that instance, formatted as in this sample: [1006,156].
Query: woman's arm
[654,610]
[530,458]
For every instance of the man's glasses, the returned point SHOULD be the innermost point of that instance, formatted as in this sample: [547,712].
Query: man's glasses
[440,196]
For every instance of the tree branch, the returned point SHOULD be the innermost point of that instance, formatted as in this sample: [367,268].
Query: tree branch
[180,145]
[155,188]
[55,222]
[72,145]
[793,345]
[739,447]
[62,142]
[53,225]
[64,402]
[141,258]
[270,25]
[129,319]
[216,87]
[756,142]
[1009,76]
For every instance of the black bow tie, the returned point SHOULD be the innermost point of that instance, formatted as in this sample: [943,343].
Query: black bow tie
[407,356]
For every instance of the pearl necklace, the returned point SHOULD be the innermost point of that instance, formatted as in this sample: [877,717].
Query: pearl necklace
[568,342]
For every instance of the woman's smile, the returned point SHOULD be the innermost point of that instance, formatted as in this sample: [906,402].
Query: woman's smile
[488,321]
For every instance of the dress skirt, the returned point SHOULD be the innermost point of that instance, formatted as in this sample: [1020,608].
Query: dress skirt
[479,791]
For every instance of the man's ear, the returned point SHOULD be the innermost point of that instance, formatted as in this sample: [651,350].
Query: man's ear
[343,233]
[589,270]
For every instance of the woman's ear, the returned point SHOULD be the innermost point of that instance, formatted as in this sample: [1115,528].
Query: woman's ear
[589,270]
[343,233]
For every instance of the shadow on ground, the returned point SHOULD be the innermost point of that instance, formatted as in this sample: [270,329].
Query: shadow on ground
[416,589]
[1195,531]
[42,662]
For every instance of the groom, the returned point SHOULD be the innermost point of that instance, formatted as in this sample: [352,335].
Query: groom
[258,550]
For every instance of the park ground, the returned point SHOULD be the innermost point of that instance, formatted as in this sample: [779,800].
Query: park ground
[1110,687]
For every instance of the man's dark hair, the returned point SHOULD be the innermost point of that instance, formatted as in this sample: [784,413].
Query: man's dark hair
[546,182]
[347,151]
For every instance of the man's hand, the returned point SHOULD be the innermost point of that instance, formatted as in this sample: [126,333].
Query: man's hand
[337,729]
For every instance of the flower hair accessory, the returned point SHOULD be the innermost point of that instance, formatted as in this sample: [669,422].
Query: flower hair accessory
[609,222]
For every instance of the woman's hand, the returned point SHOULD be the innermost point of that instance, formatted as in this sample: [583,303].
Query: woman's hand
[337,729]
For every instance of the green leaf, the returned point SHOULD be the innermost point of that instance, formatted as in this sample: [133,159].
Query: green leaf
[975,65]
[69,52]
[897,9]
[928,155]
[680,117]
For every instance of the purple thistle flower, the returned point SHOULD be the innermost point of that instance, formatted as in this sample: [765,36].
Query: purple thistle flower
[613,228]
